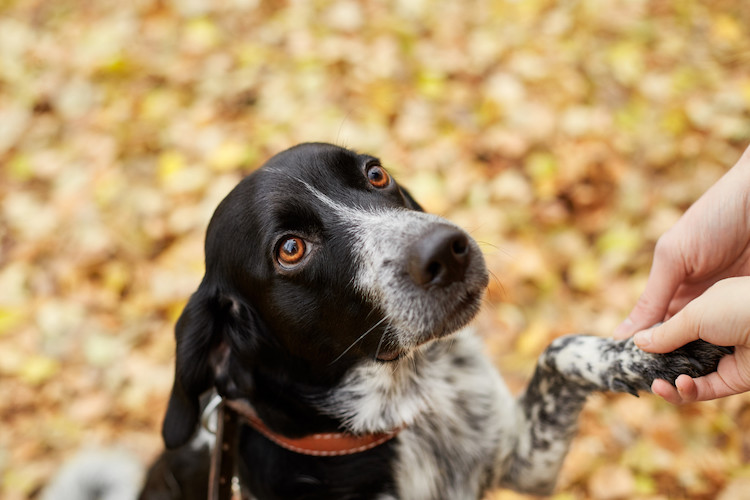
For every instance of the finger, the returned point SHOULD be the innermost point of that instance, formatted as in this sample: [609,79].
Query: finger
[725,381]
[667,391]
[651,307]
[712,386]
[683,391]
[686,388]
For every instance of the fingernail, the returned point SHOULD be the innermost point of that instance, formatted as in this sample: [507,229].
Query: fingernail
[643,338]
[624,329]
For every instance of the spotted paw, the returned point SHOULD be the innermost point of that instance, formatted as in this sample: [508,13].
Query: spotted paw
[600,364]
[696,359]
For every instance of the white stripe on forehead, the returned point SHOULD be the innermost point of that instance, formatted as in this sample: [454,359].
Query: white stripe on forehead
[339,208]
[382,238]
[374,215]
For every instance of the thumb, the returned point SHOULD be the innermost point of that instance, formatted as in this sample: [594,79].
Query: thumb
[683,327]
[667,336]
[719,316]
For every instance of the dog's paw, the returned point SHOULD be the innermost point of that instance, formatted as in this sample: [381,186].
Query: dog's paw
[639,369]
[600,364]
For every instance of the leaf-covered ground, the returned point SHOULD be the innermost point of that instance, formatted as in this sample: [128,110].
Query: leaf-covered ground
[566,136]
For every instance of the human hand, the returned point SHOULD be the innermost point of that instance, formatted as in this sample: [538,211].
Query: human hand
[710,242]
[721,316]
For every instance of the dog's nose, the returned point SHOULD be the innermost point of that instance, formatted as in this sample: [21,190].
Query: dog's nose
[440,257]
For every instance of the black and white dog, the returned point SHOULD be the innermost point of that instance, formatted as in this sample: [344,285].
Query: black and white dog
[331,304]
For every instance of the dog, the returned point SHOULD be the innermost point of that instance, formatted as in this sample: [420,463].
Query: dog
[333,305]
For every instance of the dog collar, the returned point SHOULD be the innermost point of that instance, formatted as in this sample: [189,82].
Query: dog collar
[332,444]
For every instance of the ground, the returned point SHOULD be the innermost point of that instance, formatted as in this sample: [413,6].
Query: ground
[565,136]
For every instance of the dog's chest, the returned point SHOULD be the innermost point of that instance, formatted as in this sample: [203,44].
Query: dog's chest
[454,409]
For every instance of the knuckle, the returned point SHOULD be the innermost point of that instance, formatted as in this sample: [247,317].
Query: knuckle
[665,247]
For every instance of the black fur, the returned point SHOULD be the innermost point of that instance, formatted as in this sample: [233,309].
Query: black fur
[361,336]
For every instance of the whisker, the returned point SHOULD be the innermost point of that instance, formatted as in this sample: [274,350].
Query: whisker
[495,249]
[475,228]
[499,284]
[452,342]
[370,313]
[395,368]
[380,344]
[341,127]
[357,341]
[488,244]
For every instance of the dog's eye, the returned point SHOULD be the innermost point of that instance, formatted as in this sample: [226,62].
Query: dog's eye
[377,176]
[291,251]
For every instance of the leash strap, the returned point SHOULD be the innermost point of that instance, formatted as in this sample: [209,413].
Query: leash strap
[221,479]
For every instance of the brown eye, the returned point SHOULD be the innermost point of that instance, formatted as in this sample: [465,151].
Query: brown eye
[291,251]
[378,177]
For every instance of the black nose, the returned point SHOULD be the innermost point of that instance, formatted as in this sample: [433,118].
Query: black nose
[440,257]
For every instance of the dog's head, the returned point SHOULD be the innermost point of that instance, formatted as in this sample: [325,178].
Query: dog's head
[316,262]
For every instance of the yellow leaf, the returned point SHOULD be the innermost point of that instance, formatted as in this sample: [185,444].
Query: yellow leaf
[107,187]
[620,239]
[169,164]
[584,273]
[645,485]
[745,90]
[38,369]
[117,275]
[726,28]
[429,189]
[626,60]
[431,84]
[685,79]
[383,96]
[630,117]
[19,481]
[542,167]
[564,496]
[201,34]
[675,121]
[174,310]
[20,168]
[646,457]
[533,340]
[9,319]
[117,66]
[159,105]
[228,156]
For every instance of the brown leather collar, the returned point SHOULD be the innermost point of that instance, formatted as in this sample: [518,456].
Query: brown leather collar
[223,481]
[320,445]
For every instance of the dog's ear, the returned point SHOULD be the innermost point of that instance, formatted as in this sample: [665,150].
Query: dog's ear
[410,201]
[212,326]
[202,350]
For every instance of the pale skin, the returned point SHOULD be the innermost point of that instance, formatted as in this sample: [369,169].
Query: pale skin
[699,288]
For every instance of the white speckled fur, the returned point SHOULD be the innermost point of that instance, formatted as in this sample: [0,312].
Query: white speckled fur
[463,433]
[427,394]
[420,281]
[382,237]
